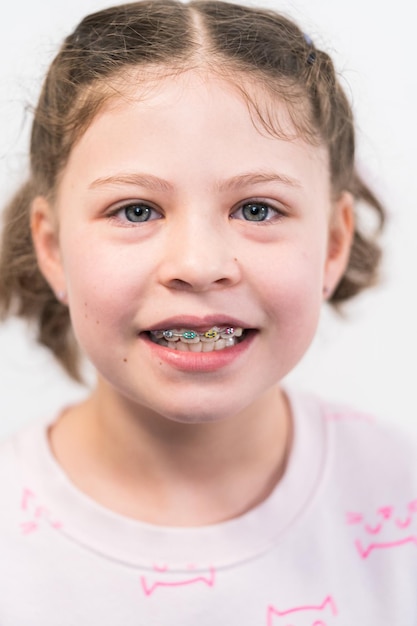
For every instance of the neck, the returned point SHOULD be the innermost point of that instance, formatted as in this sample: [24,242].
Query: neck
[160,471]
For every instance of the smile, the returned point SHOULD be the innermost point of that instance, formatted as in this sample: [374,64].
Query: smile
[186,340]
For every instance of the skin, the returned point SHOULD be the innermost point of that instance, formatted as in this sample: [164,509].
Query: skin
[156,441]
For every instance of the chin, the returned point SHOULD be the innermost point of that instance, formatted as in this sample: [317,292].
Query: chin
[197,414]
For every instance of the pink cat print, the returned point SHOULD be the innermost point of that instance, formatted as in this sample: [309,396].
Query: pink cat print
[161,576]
[35,515]
[387,527]
[324,614]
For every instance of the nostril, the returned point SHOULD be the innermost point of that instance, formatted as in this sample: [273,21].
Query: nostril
[178,283]
[198,283]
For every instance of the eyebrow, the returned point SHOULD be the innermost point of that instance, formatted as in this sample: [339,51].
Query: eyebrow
[153,183]
[257,178]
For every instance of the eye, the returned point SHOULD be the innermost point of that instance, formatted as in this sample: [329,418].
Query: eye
[135,213]
[257,211]
[138,212]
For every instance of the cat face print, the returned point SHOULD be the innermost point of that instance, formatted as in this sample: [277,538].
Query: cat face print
[161,577]
[324,614]
[385,528]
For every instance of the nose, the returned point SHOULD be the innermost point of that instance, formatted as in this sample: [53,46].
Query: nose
[199,257]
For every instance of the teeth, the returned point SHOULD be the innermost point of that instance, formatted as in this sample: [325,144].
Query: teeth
[195,347]
[186,340]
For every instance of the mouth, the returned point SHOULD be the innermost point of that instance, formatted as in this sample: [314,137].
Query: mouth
[213,339]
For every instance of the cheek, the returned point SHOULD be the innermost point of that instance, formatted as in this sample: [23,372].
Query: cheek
[293,284]
[103,288]
[292,292]
[294,308]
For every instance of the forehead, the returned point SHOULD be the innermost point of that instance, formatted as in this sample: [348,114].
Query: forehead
[199,120]
[281,110]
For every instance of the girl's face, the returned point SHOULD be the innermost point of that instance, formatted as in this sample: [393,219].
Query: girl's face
[177,212]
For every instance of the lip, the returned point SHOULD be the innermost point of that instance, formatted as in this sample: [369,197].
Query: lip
[198,361]
[200,324]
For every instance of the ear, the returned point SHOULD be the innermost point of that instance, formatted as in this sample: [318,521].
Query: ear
[341,231]
[45,236]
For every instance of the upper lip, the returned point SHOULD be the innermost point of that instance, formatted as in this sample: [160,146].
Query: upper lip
[200,324]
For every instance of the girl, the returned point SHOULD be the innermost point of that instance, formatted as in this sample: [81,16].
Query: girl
[190,206]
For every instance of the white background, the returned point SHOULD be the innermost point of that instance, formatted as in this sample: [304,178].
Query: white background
[367,360]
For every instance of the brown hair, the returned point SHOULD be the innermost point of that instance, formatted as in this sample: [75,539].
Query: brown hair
[161,34]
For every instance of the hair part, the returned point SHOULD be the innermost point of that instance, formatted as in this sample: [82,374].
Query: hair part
[155,38]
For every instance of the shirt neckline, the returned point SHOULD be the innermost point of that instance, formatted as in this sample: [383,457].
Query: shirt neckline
[139,544]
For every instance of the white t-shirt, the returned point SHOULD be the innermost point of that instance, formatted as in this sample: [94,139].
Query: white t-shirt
[334,544]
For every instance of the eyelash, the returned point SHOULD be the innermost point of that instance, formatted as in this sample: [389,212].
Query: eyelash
[277,214]
[117,214]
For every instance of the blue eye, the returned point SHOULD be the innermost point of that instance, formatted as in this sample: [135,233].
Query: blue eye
[134,212]
[137,213]
[256,211]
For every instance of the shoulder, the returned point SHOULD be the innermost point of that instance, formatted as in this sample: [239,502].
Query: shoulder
[10,488]
[369,459]
[369,439]
[8,463]
[361,432]
[360,448]
[15,465]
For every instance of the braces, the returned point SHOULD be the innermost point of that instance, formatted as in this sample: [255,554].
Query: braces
[191,335]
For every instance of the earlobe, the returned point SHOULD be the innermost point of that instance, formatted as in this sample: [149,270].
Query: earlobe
[341,231]
[45,238]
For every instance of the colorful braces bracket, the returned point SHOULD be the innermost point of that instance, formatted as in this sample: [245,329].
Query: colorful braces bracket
[189,335]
